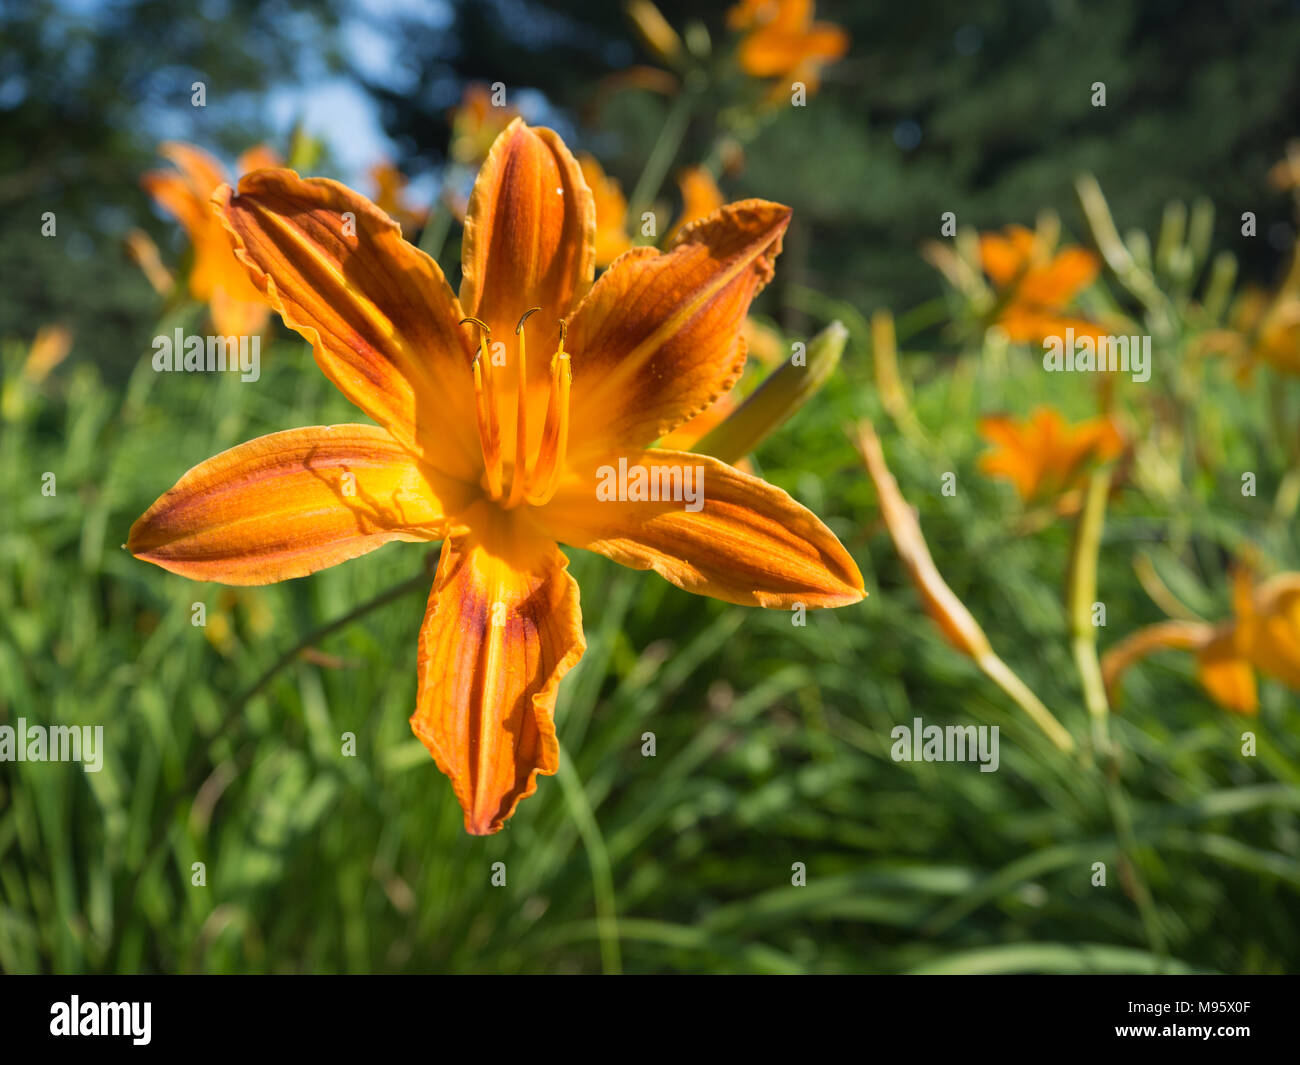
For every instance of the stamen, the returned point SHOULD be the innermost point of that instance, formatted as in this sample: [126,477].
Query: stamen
[555,432]
[519,479]
[485,406]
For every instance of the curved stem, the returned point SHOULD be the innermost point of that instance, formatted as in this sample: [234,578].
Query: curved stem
[420,580]
[662,154]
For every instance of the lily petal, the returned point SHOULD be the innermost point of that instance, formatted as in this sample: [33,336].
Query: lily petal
[773,51]
[502,627]
[530,235]
[748,542]
[1162,636]
[1271,631]
[381,319]
[658,338]
[175,193]
[202,171]
[292,503]
[1227,676]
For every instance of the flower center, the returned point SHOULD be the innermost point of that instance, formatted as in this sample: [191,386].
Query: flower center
[532,482]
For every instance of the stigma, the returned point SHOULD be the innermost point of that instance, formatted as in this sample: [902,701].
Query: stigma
[534,477]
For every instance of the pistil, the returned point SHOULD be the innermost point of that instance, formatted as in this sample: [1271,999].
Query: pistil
[519,479]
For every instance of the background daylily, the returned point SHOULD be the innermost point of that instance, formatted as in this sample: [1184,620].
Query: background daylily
[390,197]
[1266,327]
[492,449]
[237,308]
[1263,635]
[700,198]
[1035,286]
[1043,455]
[783,41]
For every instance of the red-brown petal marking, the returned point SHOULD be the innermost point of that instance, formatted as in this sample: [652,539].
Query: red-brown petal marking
[501,629]
[381,319]
[748,542]
[657,339]
[292,503]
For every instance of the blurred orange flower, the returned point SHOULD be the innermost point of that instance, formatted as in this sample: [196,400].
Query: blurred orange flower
[390,197]
[700,197]
[1034,286]
[1044,456]
[1266,328]
[216,278]
[1263,635]
[782,40]
[1284,175]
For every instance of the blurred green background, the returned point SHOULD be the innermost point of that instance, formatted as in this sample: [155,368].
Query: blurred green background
[773,741]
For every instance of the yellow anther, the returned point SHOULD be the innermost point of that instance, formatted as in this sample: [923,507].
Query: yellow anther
[555,433]
[519,329]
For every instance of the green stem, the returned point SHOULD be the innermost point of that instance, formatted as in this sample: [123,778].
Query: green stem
[435,231]
[602,877]
[420,580]
[1081,594]
[1123,822]
[662,155]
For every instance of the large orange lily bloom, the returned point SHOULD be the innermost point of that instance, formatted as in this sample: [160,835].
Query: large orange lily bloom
[237,308]
[1035,286]
[497,452]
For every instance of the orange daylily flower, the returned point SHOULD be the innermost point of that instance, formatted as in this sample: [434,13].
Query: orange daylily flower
[1263,635]
[1034,286]
[498,453]
[390,197]
[237,308]
[1267,326]
[1044,456]
[782,40]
